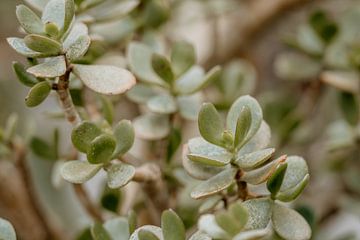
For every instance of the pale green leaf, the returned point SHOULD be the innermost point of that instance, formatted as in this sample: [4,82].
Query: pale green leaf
[208,225]
[162,68]
[297,169]
[309,41]
[235,111]
[172,226]
[37,4]
[118,228]
[83,134]
[52,30]
[189,106]
[292,193]
[199,235]
[259,141]
[216,161]
[141,93]
[101,149]
[52,67]
[209,204]
[29,21]
[182,57]
[147,235]
[240,214]
[43,44]
[24,77]
[227,222]
[79,171]
[164,104]
[109,11]
[125,135]
[104,79]
[69,15]
[7,231]
[20,47]
[98,232]
[215,184]
[54,12]
[151,126]
[289,224]
[259,211]
[37,94]
[78,48]
[255,159]
[107,109]
[77,31]
[243,125]
[153,229]
[256,234]
[119,175]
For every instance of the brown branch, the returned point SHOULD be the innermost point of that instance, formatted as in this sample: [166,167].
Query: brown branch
[83,197]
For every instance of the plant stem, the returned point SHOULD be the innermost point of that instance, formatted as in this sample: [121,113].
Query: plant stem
[83,197]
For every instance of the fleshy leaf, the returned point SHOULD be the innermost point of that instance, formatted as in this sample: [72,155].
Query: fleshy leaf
[124,134]
[104,79]
[162,68]
[24,77]
[215,184]
[119,175]
[43,149]
[152,126]
[253,160]
[236,110]
[37,94]
[78,48]
[259,141]
[101,149]
[79,171]
[118,228]
[42,44]
[77,31]
[29,21]
[252,234]
[147,235]
[52,30]
[172,226]
[182,57]
[207,224]
[83,134]
[189,106]
[141,93]
[216,161]
[7,231]
[53,67]
[292,193]
[240,213]
[20,47]
[98,232]
[289,224]
[153,229]
[259,211]
[243,125]
[276,179]
[227,222]
[199,235]
[60,12]
[296,170]
[164,104]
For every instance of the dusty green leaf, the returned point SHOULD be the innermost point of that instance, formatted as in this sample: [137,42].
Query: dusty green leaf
[132,219]
[289,224]
[182,57]
[210,124]
[156,12]
[209,204]
[147,235]
[52,30]
[162,68]
[107,109]
[19,46]
[29,21]
[78,48]
[124,134]
[118,228]
[83,134]
[252,234]
[69,15]
[309,41]
[259,141]
[215,184]
[296,170]
[10,127]
[263,173]
[109,11]
[98,232]
[42,44]
[164,104]
[119,175]
[153,229]
[52,67]
[43,149]
[259,211]
[172,226]
[189,106]
[151,126]
[236,110]
[255,159]
[227,222]
[24,77]
[274,182]
[216,161]
[78,30]
[37,94]
[292,193]
[199,235]
[37,4]
[101,149]
[240,214]
[141,93]
[60,12]
[207,224]
[105,79]
[194,80]
[79,171]
[139,57]
[7,231]
[243,125]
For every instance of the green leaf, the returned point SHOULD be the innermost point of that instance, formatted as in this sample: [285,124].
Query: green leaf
[156,12]
[163,104]
[259,141]
[98,232]
[325,27]
[119,175]
[199,235]
[7,231]
[19,46]
[309,41]
[79,171]
[235,111]
[216,161]
[194,80]
[227,222]
[253,160]
[152,126]
[263,173]
[118,228]
[78,30]
[215,184]
[182,57]
[78,48]
[172,226]
[259,211]
[104,79]
[37,94]
[350,107]
[210,124]
[60,12]
[209,204]
[42,44]
[125,135]
[153,229]
[173,144]
[132,219]
[107,109]
[37,4]
[147,235]
[276,179]
[24,77]
[29,21]
[243,125]
[43,149]
[289,224]
[51,30]
[53,67]
[139,57]
[69,15]
[252,234]
[83,134]
[240,213]
[347,81]
[101,149]
[141,93]
[296,170]
[207,223]
[292,193]
[162,68]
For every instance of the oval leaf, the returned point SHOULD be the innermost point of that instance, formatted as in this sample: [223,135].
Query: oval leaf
[172,226]
[255,159]
[79,171]
[42,44]
[164,104]
[216,161]
[29,21]
[101,149]
[296,170]
[53,67]
[119,175]
[162,68]
[118,228]
[147,235]
[182,57]
[125,135]
[152,126]
[210,124]
[37,94]
[7,231]
[24,77]
[276,179]
[78,48]
[243,125]
[153,229]
[98,232]
[104,79]
[83,134]
[259,211]
[19,46]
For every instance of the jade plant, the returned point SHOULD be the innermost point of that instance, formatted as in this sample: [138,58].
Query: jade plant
[239,188]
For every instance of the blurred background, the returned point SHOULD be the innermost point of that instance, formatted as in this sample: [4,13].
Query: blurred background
[266,45]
